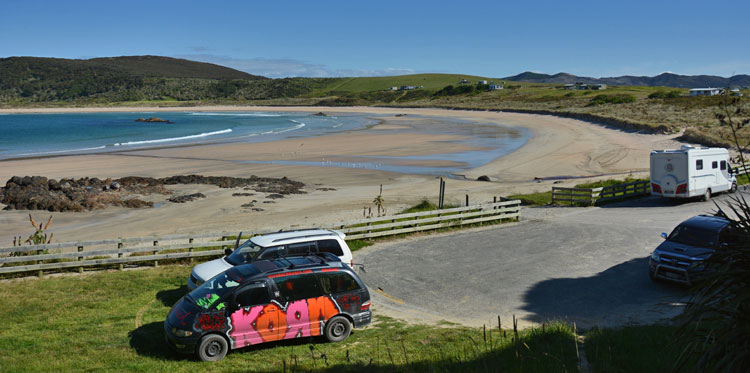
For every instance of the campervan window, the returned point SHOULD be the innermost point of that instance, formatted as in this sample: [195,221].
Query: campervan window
[699,164]
[714,164]
[723,165]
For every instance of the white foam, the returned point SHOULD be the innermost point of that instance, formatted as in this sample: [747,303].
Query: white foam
[200,135]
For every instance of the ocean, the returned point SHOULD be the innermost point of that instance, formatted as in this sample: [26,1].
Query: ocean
[44,135]
[35,135]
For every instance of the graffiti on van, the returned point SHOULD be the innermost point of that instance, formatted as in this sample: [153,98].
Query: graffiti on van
[211,321]
[272,322]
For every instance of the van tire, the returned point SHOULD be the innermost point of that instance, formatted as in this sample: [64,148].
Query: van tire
[338,329]
[707,195]
[212,347]
[733,188]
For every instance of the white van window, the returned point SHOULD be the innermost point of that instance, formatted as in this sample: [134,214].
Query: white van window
[699,164]
[330,246]
[714,164]
[723,165]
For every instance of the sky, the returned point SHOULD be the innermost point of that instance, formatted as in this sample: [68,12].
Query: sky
[375,38]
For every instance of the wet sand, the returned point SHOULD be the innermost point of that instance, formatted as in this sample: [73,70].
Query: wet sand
[559,147]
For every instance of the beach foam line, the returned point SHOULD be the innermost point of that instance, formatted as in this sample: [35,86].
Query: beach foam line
[62,151]
[237,114]
[200,135]
[298,126]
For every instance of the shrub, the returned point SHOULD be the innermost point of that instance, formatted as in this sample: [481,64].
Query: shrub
[664,94]
[611,99]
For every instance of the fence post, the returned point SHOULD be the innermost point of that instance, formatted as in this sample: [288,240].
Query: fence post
[467,200]
[190,249]
[80,258]
[119,253]
[41,272]
[156,262]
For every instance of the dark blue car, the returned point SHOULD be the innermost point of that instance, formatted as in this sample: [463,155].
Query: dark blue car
[682,256]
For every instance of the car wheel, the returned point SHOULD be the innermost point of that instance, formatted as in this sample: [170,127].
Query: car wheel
[733,188]
[338,329]
[707,195]
[212,347]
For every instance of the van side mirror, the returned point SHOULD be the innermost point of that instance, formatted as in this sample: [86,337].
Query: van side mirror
[664,235]
[228,252]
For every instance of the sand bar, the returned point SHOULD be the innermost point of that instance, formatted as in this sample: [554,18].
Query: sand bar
[558,147]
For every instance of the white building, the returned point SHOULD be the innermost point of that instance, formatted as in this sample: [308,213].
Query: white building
[706,91]
[496,87]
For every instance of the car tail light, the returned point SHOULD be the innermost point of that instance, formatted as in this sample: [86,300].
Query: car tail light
[351,263]
[682,188]
[656,188]
[365,306]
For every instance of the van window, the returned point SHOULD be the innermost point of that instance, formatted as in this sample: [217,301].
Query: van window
[699,164]
[256,294]
[330,246]
[723,165]
[714,164]
[337,282]
[298,287]
[302,248]
[271,253]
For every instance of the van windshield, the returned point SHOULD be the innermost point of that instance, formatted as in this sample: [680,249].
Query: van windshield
[244,253]
[212,290]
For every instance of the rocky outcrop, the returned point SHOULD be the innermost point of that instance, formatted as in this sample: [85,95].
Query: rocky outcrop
[40,193]
[186,198]
[153,120]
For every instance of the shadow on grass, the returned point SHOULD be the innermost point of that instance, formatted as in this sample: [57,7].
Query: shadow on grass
[170,297]
[621,294]
[148,340]
[648,201]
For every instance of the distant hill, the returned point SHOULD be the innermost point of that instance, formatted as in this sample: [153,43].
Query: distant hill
[130,66]
[661,80]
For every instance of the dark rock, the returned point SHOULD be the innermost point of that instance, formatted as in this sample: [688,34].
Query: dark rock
[186,198]
[153,120]
[242,194]
[484,178]
[320,114]
[269,201]
[258,209]
[275,196]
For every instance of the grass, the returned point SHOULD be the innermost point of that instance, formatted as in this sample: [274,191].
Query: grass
[651,348]
[743,179]
[545,198]
[114,321]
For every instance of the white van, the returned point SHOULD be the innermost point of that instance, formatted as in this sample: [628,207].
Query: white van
[691,172]
[301,242]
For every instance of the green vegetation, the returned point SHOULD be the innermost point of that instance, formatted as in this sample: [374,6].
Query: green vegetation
[653,348]
[534,199]
[664,94]
[612,99]
[355,245]
[609,182]
[114,321]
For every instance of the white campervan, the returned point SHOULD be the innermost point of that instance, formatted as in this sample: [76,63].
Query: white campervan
[690,172]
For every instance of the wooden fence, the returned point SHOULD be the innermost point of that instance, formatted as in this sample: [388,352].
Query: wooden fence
[121,251]
[590,196]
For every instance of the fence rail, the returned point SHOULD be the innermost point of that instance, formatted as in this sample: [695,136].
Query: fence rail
[590,196]
[152,249]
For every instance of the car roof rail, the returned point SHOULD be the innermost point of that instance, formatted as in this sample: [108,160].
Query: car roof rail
[305,236]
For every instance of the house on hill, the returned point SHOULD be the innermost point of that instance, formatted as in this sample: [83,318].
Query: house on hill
[706,91]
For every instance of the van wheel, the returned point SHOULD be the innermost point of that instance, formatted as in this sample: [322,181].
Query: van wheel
[338,329]
[733,188]
[707,195]
[212,347]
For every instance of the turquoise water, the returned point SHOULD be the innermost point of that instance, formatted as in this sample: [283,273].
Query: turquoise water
[33,135]
[39,135]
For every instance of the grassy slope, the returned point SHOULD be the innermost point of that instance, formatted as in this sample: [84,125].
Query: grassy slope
[429,81]
[114,321]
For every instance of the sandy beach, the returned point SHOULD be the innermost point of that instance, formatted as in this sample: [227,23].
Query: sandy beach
[559,148]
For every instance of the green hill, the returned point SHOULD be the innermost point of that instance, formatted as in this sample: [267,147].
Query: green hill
[167,67]
[428,81]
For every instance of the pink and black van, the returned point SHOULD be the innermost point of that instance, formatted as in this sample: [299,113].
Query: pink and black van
[267,301]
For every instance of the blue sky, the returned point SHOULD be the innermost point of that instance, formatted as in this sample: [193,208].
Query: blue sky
[356,38]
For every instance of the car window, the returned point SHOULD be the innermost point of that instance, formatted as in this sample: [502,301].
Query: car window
[256,294]
[330,246]
[271,253]
[212,290]
[694,236]
[337,282]
[302,248]
[244,253]
[298,287]
[699,164]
